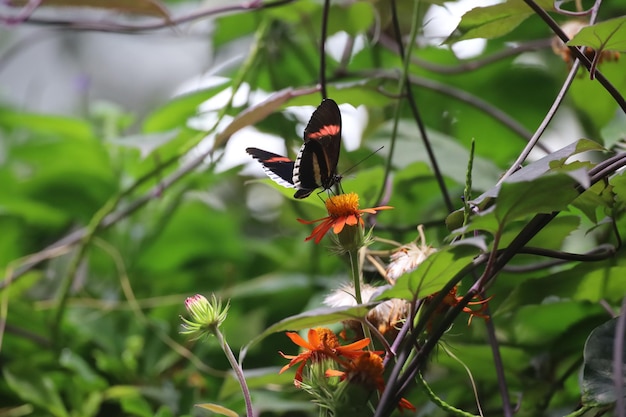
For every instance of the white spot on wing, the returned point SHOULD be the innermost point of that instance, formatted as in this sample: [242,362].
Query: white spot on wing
[296,169]
[278,180]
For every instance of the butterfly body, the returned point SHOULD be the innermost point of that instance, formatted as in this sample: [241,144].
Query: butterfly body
[316,163]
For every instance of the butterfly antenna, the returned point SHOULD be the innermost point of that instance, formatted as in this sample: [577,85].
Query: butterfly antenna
[361,161]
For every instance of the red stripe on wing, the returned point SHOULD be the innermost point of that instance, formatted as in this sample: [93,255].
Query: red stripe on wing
[277,159]
[328,130]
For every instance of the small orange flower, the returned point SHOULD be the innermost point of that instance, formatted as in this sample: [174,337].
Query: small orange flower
[367,370]
[322,344]
[451,300]
[343,209]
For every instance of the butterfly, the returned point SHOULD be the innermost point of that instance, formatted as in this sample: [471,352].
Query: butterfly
[316,163]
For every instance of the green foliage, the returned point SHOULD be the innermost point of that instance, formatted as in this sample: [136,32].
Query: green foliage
[110,218]
[608,35]
[598,383]
[494,21]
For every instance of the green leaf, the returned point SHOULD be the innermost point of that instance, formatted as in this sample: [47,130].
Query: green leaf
[553,235]
[37,389]
[79,366]
[146,143]
[597,384]
[494,21]
[236,25]
[434,273]
[354,19]
[474,356]
[538,325]
[614,131]
[218,409]
[607,35]
[543,195]
[136,406]
[60,126]
[314,318]
[176,112]
[595,200]
[549,162]
[592,99]
[289,192]
[32,211]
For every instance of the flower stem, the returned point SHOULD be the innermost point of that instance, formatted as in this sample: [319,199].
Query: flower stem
[237,369]
[356,275]
[355,265]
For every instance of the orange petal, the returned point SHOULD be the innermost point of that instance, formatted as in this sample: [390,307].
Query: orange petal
[319,232]
[334,372]
[359,344]
[340,222]
[297,381]
[287,356]
[404,404]
[295,338]
[352,220]
[314,339]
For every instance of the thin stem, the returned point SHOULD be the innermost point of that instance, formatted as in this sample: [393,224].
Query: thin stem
[356,275]
[544,123]
[489,272]
[355,266]
[325,12]
[103,25]
[580,412]
[467,192]
[507,409]
[406,86]
[467,66]
[439,402]
[238,371]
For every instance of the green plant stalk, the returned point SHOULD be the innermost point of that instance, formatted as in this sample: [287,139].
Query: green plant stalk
[441,403]
[356,275]
[581,411]
[237,369]
[66,284]
[467,192]
[356,278]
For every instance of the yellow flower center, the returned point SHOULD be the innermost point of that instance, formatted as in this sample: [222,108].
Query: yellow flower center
[343,205]
[367,370]
[327,338]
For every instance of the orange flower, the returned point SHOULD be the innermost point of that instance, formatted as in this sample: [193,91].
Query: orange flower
[367,370]
[343,209]
[451,300]
[322,344]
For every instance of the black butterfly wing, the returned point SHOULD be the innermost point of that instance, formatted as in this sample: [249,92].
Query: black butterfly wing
[316,164]
[325,128]
[279,168]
